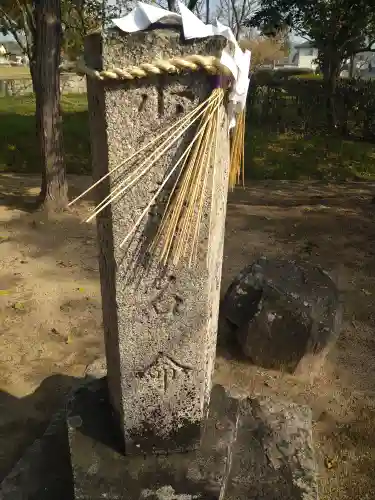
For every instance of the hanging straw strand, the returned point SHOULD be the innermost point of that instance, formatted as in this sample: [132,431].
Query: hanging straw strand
[237,157]
[141,172]
[146,210]
[176,207]
[143,148]
[194,250]
[189,119]
[178,216]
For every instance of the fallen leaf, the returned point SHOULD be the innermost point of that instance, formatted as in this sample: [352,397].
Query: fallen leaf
[330,463]
[4,292]
[19,306]
[81,289]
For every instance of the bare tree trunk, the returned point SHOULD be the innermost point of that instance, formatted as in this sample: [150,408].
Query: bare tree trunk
[172,5]
[237,19]
[54,189]
[331,73]
[207,11]
[351,67]
[34,75]
[332,84]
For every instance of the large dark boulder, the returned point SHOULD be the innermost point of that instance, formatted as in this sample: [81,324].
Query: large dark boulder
[286,315]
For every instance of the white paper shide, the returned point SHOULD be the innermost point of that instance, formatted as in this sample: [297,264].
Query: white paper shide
[144,15]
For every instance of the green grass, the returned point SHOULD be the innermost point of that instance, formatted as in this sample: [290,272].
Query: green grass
[269,155]
[18,151]
[10,72]
[293,156]
[307,76]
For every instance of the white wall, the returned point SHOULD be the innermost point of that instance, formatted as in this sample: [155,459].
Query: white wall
[306,58]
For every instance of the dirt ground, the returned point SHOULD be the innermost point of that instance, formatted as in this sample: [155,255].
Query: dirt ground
[51,329]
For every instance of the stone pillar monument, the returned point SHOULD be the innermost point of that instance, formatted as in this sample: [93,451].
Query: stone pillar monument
[160,323]
[125,430]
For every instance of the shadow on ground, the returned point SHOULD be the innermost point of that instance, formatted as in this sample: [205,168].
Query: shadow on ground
[17,192]
[20,191]
[296,193]
[27,418]
[331,226]
[19,148]
[61,237]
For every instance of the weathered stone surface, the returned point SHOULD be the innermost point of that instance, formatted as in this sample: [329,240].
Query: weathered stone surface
[255,448]
[212,461]
[273,456]
[286,315]
[160,324]
[101,470]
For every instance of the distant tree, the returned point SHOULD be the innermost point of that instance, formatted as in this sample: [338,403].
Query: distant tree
[17,18]
[40,27]
[265,50]
[338,28]
[79,17]
[235,13]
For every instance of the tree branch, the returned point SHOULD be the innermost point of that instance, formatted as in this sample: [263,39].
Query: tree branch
[363,50]
[243,11]
[31,20]
[236,18]
[369,46]
[191,5]
[13,30]
[28,27]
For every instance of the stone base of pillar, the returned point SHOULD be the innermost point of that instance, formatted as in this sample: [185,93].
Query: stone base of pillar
[253,448]
[250,448]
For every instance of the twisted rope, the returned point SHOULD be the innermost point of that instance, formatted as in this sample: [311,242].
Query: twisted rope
[174,65]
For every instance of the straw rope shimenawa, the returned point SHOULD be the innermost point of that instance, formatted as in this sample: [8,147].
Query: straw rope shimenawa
[178,231]
[174,65]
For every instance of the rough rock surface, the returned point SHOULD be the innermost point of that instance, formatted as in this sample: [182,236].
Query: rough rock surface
[252,448]
[273,456]
[286,315]
[101,470]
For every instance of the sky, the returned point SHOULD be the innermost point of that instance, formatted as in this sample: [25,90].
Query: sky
[5,38]
[294,38]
